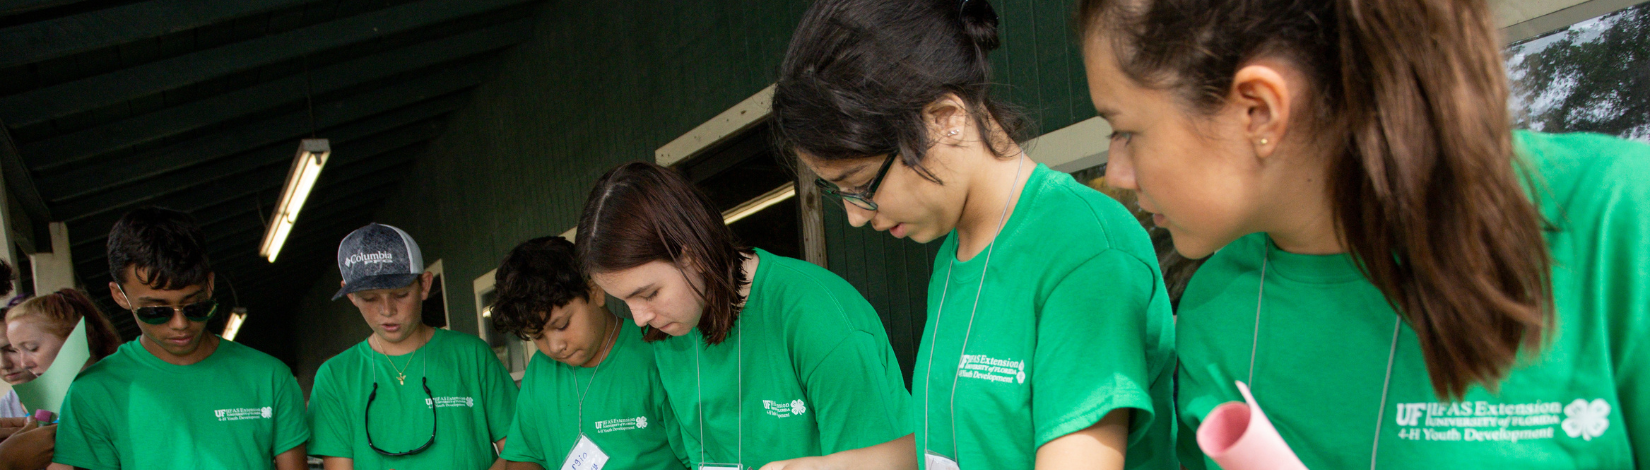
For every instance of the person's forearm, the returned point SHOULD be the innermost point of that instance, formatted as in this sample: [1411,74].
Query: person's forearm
[337,463]
[898,454]
[292,459]
[514,465]
[1098,447]
[498,448]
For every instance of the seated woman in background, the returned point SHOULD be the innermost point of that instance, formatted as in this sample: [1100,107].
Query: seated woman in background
[37,328]
[13,372]
[10,371]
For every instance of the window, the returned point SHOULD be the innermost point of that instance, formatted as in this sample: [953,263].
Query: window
[511,351]
[1589,77]
[435,306]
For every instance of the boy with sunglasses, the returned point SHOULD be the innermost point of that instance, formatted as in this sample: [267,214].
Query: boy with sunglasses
[410,396]
[150,404]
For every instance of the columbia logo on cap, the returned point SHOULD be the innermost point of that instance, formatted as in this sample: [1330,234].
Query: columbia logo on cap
[378,256]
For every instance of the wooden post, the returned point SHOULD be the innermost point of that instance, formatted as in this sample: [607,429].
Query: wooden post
[811,210]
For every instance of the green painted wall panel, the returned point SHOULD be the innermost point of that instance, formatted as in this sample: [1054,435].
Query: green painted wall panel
[602,83]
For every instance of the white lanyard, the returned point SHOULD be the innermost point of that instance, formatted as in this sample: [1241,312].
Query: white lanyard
[1380,413]
[945,288]
[612,340]
[739,395]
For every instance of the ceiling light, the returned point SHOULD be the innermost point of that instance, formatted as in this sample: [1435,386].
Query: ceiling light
[779,194]
[306,168]
[233,327]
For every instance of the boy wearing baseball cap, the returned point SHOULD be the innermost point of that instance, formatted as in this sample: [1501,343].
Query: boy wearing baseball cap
[410,396]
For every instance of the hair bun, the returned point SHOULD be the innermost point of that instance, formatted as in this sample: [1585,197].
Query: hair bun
[979,23]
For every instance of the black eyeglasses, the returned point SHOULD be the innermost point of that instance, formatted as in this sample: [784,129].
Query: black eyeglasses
[860,200]
[196,312]
[368,420]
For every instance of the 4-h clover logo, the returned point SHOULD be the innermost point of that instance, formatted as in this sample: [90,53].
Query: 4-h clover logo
[1020,377]
[641,422]
[470,402]
[798,407]
[266,412]
[1586,420]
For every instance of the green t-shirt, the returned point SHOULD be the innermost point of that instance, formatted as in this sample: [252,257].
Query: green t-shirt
[819,375]
[473,396]
[1326,333]
[625,410]
[1073,322]
[238,408]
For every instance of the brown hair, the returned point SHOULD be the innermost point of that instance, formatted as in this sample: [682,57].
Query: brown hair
[641,212]
[1412,98]
[62,310]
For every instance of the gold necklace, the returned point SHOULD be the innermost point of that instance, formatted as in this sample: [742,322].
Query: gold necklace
[400,375]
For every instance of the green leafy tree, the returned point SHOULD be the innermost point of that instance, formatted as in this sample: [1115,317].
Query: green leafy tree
[1591,77]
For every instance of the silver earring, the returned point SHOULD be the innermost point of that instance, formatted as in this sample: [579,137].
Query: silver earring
[951,133]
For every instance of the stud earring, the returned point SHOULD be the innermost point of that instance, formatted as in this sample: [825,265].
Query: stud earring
[1263,141]
[951,133]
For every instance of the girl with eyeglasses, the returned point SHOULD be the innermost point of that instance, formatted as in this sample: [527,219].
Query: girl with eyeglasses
[1400,278]
[763,357]
[1048,338]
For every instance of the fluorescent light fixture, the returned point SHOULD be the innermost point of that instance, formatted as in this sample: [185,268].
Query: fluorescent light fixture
[233,327]
[306,168]
[778,195]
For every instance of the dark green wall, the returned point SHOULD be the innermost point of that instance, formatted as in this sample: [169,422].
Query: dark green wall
[602,83]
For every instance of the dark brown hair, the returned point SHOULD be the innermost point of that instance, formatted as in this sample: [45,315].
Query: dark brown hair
[1411,97]
[164,243]
[858,74]
[640,213]
[537,276]
[62,310]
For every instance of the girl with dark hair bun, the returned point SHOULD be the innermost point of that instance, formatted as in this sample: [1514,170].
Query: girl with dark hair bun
[1048,342]
[763,357]
[1402,280]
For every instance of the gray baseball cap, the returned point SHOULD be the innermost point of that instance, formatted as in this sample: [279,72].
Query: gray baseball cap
[378,256]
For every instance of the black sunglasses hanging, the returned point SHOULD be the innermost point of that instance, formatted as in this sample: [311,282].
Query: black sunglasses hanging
[368,420]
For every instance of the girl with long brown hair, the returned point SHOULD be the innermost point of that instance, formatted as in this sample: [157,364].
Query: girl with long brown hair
[764,358]
[1048,339]
[1402,279]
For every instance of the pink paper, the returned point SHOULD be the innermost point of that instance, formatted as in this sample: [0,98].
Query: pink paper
[1239,437]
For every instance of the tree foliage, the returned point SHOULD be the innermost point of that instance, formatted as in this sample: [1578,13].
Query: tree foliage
[1591,77]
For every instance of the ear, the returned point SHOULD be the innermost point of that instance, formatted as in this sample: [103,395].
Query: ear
[598,297]
[114,293]
[424,281]
[1264,94]
[947,119]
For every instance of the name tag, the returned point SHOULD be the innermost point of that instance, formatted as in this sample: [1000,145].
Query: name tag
[585,456]
[719,466]
[935,461]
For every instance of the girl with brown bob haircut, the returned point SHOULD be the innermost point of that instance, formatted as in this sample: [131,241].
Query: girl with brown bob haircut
[1402,279]
[764,358]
